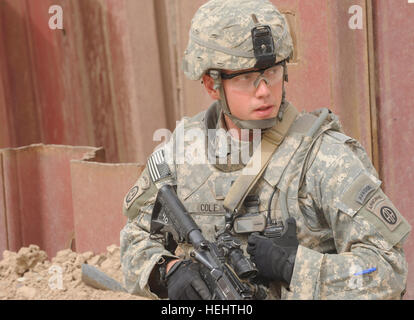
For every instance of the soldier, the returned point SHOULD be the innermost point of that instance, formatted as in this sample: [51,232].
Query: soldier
[338,236]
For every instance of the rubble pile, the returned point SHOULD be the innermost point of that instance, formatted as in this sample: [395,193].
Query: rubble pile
[29,275]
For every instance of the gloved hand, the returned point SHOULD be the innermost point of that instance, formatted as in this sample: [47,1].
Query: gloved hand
[184,282]
[275,257]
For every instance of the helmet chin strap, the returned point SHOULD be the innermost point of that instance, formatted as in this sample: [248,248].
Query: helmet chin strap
[250,124]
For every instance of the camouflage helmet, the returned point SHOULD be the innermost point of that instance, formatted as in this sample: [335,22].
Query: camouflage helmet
[221,36]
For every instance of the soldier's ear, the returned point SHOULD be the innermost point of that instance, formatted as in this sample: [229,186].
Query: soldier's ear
[208,83]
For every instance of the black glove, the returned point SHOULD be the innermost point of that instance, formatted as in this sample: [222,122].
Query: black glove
[184,282]
[275,257]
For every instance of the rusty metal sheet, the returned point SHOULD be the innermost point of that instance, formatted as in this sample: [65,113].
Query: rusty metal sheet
[3,219]
[11,205]
[191,94]
[37,195]
[93,83]
[394,34]
[137,85]
[349,71]
[309,72]
[98,191]
[18,96]
[5,137]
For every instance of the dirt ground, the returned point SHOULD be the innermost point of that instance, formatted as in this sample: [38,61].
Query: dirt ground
[30,275]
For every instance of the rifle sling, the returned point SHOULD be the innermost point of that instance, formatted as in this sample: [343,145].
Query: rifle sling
[269,144]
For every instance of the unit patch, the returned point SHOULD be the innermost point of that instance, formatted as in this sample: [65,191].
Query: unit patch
[137,189]
[381,213]
[389,215]
[131,194]
[384,210]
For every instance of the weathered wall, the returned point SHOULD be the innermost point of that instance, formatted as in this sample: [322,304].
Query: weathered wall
[36,198]
[97,82]
[62,197]
[98,190]
[394,44]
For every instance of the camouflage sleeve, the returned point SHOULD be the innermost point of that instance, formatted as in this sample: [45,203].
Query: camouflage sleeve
[367,229]
[139,253]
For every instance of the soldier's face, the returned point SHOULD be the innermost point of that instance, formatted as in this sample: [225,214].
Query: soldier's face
[256,104]
[246,101]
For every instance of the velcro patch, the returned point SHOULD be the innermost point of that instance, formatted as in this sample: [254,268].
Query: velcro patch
[138,189]
[358,193]
[157,167]
[363,194]
[131,194]
[385,211]
[380,212]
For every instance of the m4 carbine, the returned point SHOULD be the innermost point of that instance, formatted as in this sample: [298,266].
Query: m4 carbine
[224,264]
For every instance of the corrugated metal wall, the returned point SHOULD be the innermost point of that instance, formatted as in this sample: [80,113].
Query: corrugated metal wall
[97,82]
[113,76]
[394,51]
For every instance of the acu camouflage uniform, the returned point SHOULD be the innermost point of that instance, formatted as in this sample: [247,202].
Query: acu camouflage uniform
[345,223]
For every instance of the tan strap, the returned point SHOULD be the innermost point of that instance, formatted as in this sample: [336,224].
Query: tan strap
[269,144]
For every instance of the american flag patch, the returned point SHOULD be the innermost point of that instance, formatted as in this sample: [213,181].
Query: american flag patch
[157,167]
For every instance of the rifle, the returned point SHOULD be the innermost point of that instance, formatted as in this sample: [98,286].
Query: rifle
[224,264]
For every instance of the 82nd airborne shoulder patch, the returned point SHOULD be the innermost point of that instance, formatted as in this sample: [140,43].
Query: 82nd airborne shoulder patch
[385,211]
[386,217]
